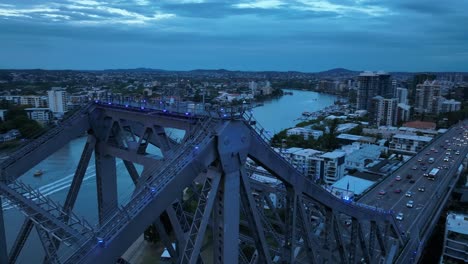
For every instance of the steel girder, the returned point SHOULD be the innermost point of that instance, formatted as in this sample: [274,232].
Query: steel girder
[263,155]
[3,244]
[21,238]
[235,140]
[163,188]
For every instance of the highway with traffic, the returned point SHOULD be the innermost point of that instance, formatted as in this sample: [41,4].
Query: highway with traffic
[409,192]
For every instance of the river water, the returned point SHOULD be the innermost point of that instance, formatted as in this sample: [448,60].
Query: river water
[275,115]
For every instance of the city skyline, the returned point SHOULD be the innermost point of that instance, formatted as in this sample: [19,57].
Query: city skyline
[260,35]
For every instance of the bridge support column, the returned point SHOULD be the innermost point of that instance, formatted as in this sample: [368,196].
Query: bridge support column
[106,183]
[226,220]
[3,245]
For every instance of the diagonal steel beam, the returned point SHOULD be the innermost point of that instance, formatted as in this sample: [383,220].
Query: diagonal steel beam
[200,218]
[362,242]
[132,171]
[48,245]
[272,207]
[312,245]
[79,173]
[20,240]
[339,239]
[165,239]
[253,218]
[3,244]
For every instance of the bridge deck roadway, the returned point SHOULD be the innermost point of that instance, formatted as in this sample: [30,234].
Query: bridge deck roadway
[426,201]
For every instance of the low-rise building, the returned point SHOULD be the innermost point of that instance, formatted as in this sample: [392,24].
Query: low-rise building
[333,165]
[358,155]
[41,115]
[456,239]
[305,132]
[10,135]
[408,144]
[34,101]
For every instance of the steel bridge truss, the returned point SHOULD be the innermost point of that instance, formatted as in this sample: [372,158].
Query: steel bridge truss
[202,184]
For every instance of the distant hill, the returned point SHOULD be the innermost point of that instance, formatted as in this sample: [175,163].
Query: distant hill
[135,70]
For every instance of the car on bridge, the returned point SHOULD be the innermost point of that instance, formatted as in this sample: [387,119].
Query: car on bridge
[398,178]
[382,192]
[408,194]
[409,204]
[400,216]
[421,188]
[397,191]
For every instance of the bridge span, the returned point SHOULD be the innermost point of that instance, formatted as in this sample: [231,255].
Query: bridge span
[234,219]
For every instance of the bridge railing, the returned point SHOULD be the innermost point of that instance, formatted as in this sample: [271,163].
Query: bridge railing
[181,109]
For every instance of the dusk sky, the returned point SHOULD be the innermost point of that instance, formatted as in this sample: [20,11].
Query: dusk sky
[302,35]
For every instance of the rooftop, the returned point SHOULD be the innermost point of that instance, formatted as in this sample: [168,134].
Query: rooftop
[413,137]
[333,155]
[354,184]
[420,125]
[457,223]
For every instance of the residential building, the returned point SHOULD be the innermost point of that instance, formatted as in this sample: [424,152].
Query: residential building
[358,155]
[333,165]
[402,95]
[456,239]
[425,95]
[305,132]
[308,161]
[349,139]
[402,113]
[34,101]
[41,115]
[383,111]
[58,101]
[14,99]
[450,106]
[408,144]
[370,85]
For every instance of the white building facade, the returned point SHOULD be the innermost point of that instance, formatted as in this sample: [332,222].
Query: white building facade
[58,101]
[408,144]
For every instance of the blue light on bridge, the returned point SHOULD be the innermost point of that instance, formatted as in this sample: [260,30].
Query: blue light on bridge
[164,110]
[100,241]
[153,189]
[186,113]
[96,101]
[196,147]
[126,105]
[142,108]
[224,115]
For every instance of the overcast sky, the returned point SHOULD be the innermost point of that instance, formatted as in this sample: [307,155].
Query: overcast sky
[303,35]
